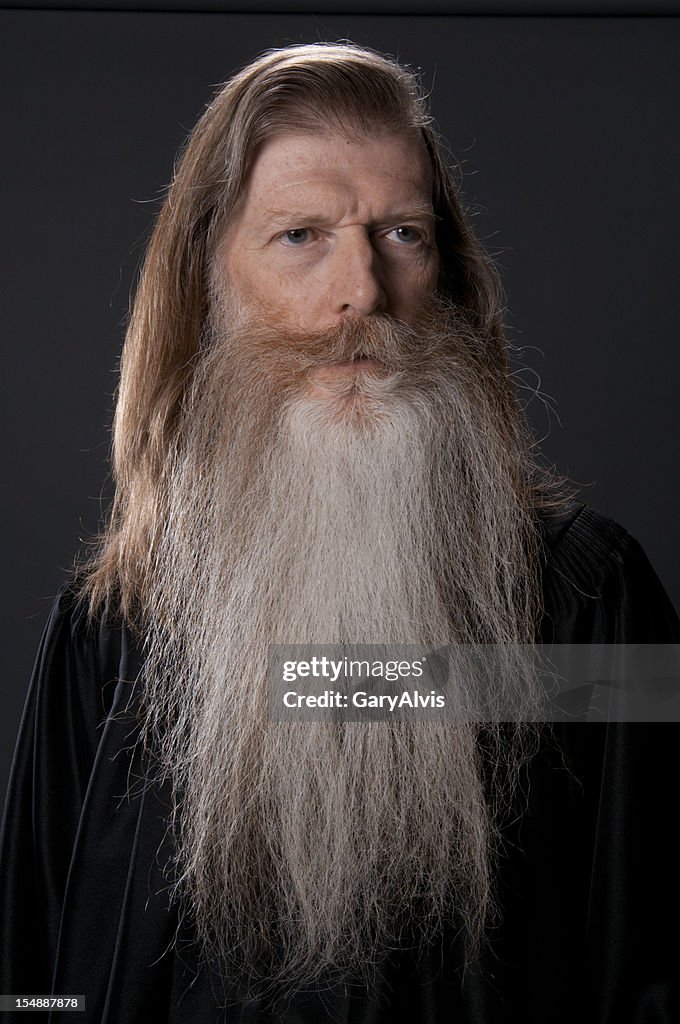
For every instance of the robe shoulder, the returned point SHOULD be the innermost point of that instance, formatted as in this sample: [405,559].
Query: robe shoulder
[599,585]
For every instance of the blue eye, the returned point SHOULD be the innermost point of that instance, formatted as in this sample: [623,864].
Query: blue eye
[296,236]
[407,234]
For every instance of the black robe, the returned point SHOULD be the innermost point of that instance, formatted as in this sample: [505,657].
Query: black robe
[589,880]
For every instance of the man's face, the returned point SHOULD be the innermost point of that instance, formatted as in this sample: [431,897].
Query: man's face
[329,228]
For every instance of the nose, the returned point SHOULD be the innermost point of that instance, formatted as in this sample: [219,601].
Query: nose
[358,289]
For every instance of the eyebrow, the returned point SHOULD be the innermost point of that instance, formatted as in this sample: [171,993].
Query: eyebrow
[280,217]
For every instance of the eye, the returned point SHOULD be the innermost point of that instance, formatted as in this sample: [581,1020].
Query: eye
[296,236]
[406,234]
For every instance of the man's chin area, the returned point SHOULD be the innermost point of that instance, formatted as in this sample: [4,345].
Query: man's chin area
[357,391]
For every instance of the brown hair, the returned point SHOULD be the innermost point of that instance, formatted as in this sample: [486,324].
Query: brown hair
[302,88]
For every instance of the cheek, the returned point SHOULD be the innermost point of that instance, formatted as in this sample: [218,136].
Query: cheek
[256,285]
[284,294]
[408,290]
[429,273]
[298,293]
[420,279]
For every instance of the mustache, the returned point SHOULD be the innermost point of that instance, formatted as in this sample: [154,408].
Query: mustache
[437,328]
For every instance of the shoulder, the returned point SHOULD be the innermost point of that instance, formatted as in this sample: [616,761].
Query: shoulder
[67,748]
[585,539]
[598,583]
[81,661]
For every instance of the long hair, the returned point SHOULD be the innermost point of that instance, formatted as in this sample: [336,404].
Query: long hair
[304,88]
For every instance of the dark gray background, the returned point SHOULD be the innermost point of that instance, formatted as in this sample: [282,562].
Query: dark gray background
[566,129]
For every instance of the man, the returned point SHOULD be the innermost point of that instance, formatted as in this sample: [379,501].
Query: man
[317,442]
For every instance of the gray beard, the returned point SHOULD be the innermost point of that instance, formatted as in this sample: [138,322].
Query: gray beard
[386,512]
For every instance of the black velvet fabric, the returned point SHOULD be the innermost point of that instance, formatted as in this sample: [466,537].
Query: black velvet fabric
[588,881]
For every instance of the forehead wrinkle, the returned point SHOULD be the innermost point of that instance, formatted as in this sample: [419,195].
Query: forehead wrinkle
[322,186]
[332,203]
[335,178]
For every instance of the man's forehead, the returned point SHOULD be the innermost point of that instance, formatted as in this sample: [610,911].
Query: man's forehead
[301,173]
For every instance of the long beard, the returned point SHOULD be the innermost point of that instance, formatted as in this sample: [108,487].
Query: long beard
[387,509]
